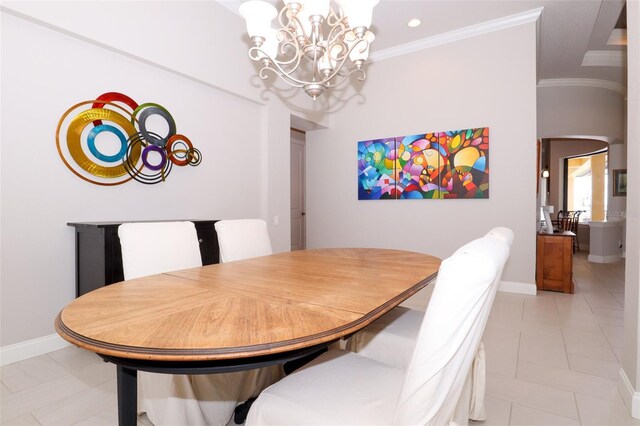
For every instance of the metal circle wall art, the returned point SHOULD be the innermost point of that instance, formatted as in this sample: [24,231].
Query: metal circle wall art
[113,139]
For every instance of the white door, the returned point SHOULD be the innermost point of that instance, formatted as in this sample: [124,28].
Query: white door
[297,190]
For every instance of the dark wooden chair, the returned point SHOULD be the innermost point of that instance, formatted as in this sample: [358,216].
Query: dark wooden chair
[563,221]
[567,220]
[574,228]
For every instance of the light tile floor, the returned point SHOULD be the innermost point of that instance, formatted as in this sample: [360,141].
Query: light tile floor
[552,359]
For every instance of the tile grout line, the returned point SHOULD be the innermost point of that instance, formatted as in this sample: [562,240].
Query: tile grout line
[566,354]
[575,400]
[553,387]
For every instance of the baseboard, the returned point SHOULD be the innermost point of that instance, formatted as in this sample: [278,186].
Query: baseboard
[516,287]
[604,259]
[630,397]
[31,348]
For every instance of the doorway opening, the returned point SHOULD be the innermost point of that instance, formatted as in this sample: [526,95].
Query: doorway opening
[297,190]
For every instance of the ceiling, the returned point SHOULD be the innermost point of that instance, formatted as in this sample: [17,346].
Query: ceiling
[573,34]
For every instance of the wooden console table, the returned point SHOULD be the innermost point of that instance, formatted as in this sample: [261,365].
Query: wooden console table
[554,262]
[99,256]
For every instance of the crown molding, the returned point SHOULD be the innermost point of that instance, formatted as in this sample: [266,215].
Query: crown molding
[459,34]
[605,58]
[231,6]
[584,82]
[125,53]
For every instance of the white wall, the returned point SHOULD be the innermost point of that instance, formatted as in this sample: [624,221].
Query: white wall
[484,81]
[630,377]
[55,54]
[199,42]
[40,195]
[617,206]
[590,112]
[580,111]
[197,39]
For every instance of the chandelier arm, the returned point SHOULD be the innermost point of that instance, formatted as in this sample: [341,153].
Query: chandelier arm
[339,72]
[256,53]
[287,79]
[300,84]
[363,73]
[327,78]
[358,42]
[343,29]
[316,39]
[278,70]
[346,55]
[335,54]
[344,77]
[295,24]
[253,53]
[286,75]
[334,18]
[344,49]
[348,72]
[290,42]
[339,66]
[284,13]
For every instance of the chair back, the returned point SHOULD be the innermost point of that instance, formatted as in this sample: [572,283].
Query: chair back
[566,220]
[575,221]
[156,247]
[451,332]
[242,239]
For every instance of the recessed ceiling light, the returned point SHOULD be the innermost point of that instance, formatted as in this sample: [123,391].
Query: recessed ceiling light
[414,23]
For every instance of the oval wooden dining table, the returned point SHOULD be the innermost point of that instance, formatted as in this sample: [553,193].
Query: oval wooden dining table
[239,315]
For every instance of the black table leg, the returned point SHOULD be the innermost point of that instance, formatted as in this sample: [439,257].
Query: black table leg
[127,396]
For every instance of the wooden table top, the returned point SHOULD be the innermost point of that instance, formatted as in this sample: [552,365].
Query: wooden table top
[252,307]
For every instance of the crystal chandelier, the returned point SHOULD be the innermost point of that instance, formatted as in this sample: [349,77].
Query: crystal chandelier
[314,41]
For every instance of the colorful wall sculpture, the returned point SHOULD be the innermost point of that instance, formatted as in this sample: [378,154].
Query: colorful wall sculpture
[142,155]
[452,164]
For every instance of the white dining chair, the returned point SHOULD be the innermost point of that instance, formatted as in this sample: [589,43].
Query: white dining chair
[158,247]
[391,339]
[345,388]
[242,239]
[150,248]
[503,232]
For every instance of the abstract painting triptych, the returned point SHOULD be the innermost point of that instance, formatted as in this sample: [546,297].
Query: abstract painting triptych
[446,165]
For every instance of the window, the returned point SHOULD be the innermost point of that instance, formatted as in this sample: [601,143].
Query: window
[586,181]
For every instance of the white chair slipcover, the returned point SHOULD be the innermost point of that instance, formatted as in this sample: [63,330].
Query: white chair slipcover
[157,247]
[242,239]
[472,403]
[151,248]
[502,232]
[391,339]
[344,388]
